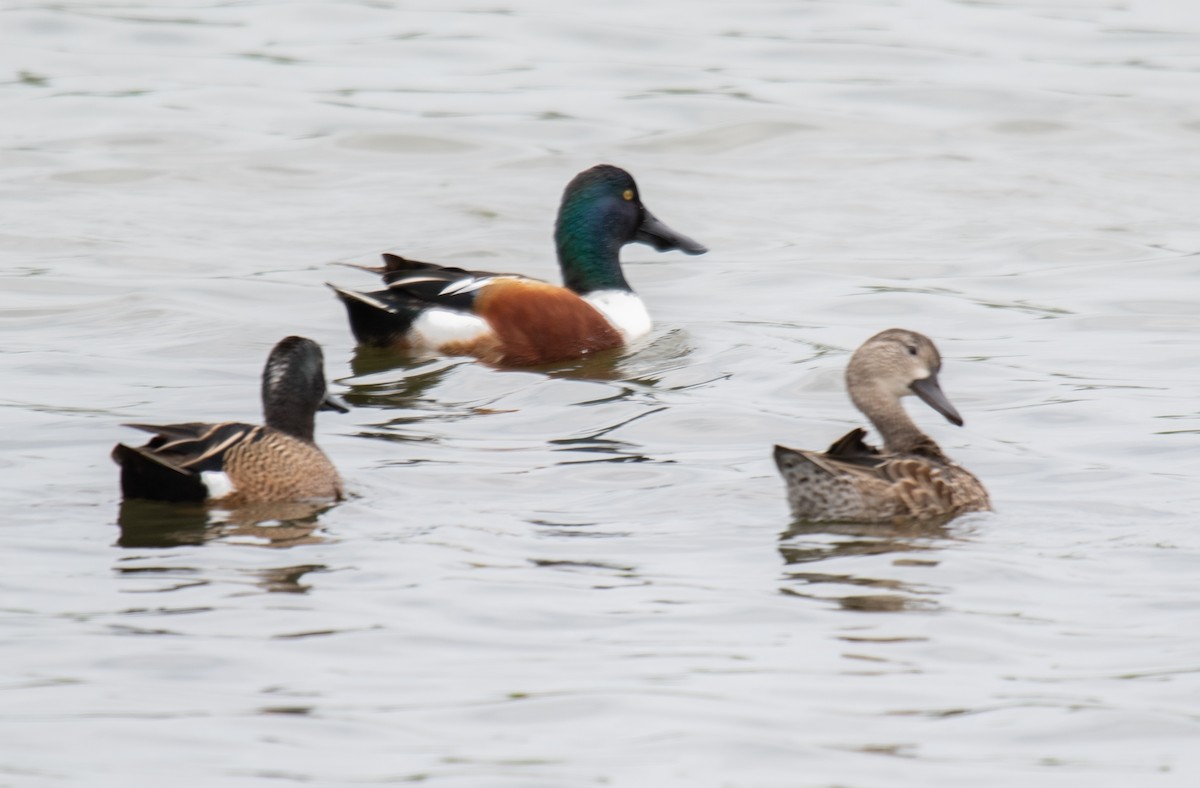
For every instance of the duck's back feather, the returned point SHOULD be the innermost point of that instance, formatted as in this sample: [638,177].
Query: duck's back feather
[172,464]
[425,305]
[437,285]
[501,318]
[854,481]
[251,463]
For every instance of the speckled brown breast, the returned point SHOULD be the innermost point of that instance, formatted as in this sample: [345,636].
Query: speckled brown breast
[273,466]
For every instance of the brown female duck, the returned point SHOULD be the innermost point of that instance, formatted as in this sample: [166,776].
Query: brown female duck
[910,480]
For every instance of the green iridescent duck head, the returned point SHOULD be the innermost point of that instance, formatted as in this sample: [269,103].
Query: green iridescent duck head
[601,212]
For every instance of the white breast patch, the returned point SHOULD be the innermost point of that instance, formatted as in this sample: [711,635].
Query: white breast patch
[624,310]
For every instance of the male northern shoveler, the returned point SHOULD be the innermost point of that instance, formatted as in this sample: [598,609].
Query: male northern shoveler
[235,464]
[511,320]
[911,480]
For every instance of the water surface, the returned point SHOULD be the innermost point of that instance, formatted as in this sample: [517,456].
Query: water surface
[588,575]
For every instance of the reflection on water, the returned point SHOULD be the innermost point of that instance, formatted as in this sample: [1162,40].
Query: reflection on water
[611,450]
[372,360]
[157,524]
[1012,178]
[276,580]
[286,579]
[806,543]
[389,391]
[411,391]
[643,364]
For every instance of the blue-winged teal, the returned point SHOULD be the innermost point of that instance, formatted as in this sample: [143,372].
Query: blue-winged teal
[511,320]
[911,480]
[236,464]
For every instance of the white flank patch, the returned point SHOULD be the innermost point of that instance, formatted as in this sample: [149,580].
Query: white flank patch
[217,484]
[435,327]
[624,310]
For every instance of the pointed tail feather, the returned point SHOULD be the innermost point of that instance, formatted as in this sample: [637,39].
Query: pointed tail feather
[145,476]
[801,466]
[394,262]
[370,269]
[377,319]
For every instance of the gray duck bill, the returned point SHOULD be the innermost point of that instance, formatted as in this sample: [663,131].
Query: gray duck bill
[931,394]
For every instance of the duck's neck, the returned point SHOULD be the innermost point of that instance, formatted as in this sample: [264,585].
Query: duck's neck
[285,414]
[589,254]
[900,433]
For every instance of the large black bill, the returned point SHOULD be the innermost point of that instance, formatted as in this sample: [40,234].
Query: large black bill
[663,238]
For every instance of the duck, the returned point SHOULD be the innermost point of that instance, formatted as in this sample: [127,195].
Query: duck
[513,320]
[236,464]
[910,479]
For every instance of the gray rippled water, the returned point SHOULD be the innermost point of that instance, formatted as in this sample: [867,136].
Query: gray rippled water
[587,575]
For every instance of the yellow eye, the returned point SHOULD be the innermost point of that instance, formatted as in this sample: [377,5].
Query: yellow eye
[628,195]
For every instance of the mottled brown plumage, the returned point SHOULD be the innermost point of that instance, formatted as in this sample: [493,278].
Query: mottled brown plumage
[256,468]
[910,480]
[234,464]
